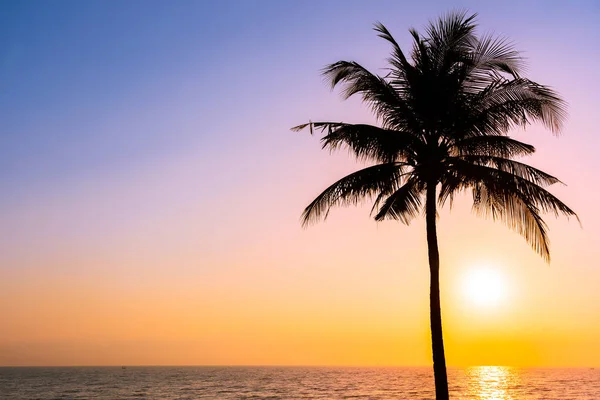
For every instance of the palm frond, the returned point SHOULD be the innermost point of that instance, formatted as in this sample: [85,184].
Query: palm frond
[517,211]
[300,127]
[385,102]
[402,72]
[403,205]
[500,180]
[518,169]
[420,53]
[367,142]
[353,188]
[398,58]
[452,30]
[518,102]
[373,143]
[450,38]
[489,58]
[509,197]
[497,146]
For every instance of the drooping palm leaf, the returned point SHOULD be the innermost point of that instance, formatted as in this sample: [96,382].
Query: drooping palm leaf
[403,205]
[518,169]
[353,188]
[497,146]
[504,104]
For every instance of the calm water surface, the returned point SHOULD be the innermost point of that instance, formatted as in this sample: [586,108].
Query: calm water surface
[484,383]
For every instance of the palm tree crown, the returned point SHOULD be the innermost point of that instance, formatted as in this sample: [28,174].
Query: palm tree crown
[444,116]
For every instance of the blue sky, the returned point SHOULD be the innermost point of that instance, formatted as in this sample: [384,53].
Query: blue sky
[79,79]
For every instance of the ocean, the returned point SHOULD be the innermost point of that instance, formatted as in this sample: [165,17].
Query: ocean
[223,383]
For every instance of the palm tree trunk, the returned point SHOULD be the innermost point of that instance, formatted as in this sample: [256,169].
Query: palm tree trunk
[437,339]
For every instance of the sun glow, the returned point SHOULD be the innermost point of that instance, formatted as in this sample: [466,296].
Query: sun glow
[484,286]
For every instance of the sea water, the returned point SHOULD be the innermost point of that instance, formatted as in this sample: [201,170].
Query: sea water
[167,383]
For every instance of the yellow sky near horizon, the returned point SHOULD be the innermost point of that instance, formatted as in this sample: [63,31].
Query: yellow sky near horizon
[343,307]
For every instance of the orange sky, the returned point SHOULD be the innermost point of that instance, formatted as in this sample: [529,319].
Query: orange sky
[193,253]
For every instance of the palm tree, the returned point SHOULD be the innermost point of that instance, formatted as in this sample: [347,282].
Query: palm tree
[443,117]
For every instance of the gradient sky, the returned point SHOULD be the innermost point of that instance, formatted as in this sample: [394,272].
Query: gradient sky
[150,192]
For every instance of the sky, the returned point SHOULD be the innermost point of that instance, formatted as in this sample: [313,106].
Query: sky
[151,192]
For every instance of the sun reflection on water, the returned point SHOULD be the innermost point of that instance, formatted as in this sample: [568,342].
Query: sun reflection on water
[491,383]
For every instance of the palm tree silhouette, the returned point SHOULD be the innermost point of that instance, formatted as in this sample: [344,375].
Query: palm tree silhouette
[444,117]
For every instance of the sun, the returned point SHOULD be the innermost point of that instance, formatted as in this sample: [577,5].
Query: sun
[484,286]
